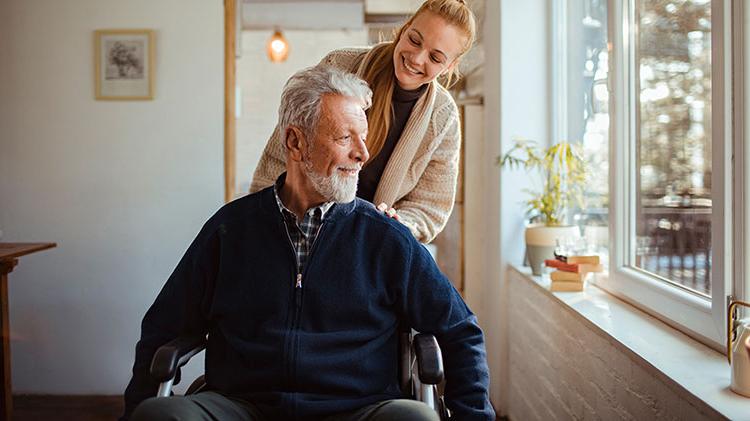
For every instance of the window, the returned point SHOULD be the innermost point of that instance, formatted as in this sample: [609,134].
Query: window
[673,148]
[653,111]
[581,109]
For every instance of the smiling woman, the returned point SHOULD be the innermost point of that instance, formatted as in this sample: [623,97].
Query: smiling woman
[429,37]
[414,133]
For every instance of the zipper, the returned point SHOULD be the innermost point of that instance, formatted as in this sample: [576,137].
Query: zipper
[289,340]
[297,298]
[298,283]
[298,302]
[312,246]
[298,290]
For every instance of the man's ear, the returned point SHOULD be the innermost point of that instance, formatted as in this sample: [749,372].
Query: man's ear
[295,143]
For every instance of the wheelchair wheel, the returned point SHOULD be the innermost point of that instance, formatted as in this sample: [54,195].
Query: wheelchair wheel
[197,385]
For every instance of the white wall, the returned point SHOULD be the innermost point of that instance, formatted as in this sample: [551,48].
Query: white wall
[392,6]
[318,14]
[261,83]
[122,187]
[516,103]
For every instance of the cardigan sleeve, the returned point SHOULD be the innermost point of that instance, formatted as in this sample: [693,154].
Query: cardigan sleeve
[426,208]
[272,163]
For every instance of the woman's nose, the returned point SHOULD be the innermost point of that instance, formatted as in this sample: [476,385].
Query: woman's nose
[420,56]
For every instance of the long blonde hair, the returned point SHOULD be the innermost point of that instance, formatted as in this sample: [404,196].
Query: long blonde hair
[380,74]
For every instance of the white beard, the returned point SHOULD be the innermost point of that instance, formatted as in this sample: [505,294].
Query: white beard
[334,188]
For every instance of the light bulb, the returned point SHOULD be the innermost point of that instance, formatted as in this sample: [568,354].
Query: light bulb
[277,47]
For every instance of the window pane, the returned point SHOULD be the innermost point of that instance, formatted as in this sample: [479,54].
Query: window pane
[587,114]
[673,203]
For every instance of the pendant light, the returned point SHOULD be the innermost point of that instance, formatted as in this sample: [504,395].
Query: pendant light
[277,47]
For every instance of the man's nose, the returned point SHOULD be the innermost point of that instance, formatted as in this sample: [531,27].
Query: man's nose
[360,152]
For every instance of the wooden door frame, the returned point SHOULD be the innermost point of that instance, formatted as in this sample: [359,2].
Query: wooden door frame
[230,124]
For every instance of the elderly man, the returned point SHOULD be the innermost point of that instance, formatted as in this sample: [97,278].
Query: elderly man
[300,288]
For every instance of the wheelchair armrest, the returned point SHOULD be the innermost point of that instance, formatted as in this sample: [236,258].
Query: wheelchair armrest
[429,359]
[173,355]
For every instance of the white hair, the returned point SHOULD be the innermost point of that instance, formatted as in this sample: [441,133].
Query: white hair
[304,91]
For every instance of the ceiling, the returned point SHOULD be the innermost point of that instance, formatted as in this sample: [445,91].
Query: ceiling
[324,14]
[370,6]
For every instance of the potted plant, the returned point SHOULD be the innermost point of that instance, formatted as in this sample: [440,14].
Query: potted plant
[562,169]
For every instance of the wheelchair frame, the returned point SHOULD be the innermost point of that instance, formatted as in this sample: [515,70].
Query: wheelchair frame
[419,348]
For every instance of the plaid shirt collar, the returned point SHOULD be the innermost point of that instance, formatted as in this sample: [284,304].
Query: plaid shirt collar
[302,235]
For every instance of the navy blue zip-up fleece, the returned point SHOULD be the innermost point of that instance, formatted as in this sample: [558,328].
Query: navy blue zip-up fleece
[325,347]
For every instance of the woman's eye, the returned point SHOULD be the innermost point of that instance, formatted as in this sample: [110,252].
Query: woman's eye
[436,59]
[414,41]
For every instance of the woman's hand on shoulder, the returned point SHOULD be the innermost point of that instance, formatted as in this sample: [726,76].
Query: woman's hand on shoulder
[389,211]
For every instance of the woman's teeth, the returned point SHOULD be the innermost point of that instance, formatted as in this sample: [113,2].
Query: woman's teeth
[409,68]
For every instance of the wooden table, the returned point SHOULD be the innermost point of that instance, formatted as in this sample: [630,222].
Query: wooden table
[9,254]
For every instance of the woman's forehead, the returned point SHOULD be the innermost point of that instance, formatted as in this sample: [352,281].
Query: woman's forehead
[438,33]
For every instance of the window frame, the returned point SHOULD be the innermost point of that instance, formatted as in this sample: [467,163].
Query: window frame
[559,75]
[741,92]
[691,313]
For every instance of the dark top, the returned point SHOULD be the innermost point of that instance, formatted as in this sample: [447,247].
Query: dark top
[327,344]
[403,102]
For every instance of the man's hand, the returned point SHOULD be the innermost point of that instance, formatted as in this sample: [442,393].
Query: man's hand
[388,211]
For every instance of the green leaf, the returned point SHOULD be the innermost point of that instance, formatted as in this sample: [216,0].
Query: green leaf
[563,172]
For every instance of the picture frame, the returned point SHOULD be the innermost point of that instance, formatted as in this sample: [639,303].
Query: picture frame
[124,64]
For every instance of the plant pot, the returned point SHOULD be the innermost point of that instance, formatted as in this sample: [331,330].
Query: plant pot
[541,241]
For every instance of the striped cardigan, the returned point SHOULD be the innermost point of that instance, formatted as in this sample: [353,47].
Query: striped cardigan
[419,180]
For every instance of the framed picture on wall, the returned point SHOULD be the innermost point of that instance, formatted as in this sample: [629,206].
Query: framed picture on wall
[124,64]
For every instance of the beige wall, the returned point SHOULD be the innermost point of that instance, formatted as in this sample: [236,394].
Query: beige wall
[122,187]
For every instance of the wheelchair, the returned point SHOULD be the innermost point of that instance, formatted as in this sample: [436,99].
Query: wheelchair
[416,350]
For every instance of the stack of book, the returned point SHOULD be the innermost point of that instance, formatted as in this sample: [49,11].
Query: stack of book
[571,274]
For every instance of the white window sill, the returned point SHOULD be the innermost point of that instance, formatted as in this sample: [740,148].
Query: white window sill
[699,372]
